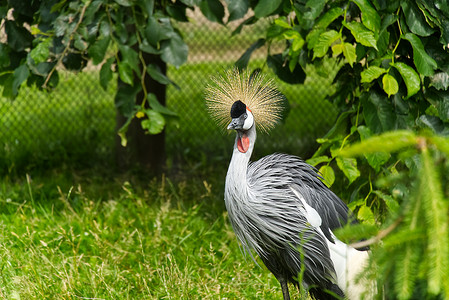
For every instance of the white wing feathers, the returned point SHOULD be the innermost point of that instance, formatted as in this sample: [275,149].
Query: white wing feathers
[348,262]
[310,213]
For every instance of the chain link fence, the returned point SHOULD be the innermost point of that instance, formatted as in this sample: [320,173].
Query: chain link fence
[76,121]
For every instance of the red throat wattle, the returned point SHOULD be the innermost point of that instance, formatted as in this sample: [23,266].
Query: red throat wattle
[243,143]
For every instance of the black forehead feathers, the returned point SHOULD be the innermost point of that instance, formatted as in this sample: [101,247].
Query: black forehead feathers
[238,109]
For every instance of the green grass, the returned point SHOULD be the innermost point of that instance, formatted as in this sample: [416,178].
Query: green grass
[110,239]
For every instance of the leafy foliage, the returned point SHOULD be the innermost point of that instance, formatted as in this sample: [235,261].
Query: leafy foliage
[45,36]
[392,92]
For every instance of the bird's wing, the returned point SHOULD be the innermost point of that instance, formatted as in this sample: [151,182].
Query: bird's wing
[282,224]
[302,180]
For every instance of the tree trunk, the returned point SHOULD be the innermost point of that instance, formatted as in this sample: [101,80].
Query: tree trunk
[143,150]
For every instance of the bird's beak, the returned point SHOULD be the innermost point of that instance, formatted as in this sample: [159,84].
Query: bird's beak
[237,123]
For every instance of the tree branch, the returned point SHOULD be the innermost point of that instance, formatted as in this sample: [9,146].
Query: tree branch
[66,49]
[379,236]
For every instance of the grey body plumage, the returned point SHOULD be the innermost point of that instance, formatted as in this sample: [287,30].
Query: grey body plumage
[268,216]
[278,206]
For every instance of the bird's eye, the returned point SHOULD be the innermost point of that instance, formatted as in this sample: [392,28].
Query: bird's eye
[245,115]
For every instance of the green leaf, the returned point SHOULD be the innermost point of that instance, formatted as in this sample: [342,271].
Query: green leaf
[98,50]
[79,43]
[155,72]
[237,9]
[296,41]
[440,81]
[328,174]
[410,77]
[106,73]
[361,34]
[391,203]
[349,53]
[370,18]
[20,75]
[129,57]
[125,72]
[155,122]
[423,62]
[213,10]
[440,100]
[388,142]
[322,23]
[349,167]
[366,215]
[158,107]
[282,22]
[177,12]
[266,7]
[291,34]
[158,29]
[415,19]
[146,47]
[18,38]
[433,123]
[314,161]
[126,3]
[378,112]
[372,73]
[324,42]
[274,31]
[147,6]
[174,51]
[390,85]
[125,99]
[122,131]
[41,52]
[376,159]
[313,9]
[337,49]
[297,44]
[191,3]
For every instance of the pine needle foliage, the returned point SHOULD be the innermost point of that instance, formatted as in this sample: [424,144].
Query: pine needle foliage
[415,254]
[436,215]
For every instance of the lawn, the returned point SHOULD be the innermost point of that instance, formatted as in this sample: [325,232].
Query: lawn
[112,239]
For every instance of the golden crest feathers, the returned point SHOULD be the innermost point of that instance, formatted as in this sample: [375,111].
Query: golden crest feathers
[257,93]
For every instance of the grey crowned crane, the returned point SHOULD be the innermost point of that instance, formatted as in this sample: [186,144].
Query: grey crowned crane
[278,206]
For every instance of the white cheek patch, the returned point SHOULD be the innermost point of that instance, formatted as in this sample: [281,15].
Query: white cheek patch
[249,121]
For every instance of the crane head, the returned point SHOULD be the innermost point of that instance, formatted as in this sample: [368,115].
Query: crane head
[249,96]
[242,117]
